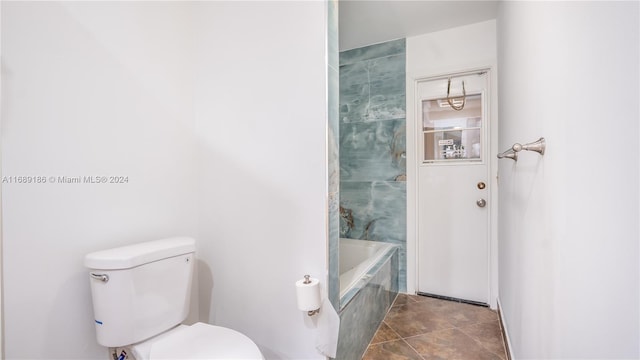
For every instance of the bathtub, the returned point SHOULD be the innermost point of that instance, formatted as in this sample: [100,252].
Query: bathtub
[368,287]
[357,260]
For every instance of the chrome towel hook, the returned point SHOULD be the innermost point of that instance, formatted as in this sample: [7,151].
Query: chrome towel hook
[450,99]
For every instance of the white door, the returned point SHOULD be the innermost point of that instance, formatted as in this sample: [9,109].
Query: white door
[453,191]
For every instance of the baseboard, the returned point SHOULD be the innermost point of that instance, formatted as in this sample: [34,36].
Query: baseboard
[505,333]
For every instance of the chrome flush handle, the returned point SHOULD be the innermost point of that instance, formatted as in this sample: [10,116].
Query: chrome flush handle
[101,277]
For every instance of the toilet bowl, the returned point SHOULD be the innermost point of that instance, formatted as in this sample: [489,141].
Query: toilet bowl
[198,341]
[141,296]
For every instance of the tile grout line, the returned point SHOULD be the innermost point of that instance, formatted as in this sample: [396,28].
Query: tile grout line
[479,342]
[379,326]
[378,329]
[412,348]
[392,329]
[428,332]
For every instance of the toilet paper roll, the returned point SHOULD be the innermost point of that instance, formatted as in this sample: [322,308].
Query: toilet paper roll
[308,295]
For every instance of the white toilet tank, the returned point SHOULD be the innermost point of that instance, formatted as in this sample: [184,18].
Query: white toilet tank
[140,290]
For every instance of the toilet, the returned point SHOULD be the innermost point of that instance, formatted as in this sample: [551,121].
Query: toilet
[141,296]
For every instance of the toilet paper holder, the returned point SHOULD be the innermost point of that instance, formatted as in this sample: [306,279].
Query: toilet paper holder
[309,295]
[307,280]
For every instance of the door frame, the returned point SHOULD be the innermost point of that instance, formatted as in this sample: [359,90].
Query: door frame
[413,164]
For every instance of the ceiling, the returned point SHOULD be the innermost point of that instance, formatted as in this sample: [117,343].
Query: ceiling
[366,22]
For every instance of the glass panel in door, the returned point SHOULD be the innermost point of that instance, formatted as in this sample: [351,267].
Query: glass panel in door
[452,135]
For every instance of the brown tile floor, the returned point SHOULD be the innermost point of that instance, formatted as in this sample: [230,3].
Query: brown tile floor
[422,328]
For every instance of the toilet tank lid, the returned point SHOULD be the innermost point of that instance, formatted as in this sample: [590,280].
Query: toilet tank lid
[126,257]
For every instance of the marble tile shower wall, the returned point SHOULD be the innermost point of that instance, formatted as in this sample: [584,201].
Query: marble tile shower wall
[332,152]
[373,145]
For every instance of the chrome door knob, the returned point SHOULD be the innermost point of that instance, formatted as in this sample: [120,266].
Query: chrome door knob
[481,203]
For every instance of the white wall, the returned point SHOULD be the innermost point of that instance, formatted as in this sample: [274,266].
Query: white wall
[569,275]
[261,118]
[433,54]
[88,89]
[216,112]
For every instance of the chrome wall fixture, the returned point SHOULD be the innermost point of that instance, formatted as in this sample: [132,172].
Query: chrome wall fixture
[538,146]
[508,154]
